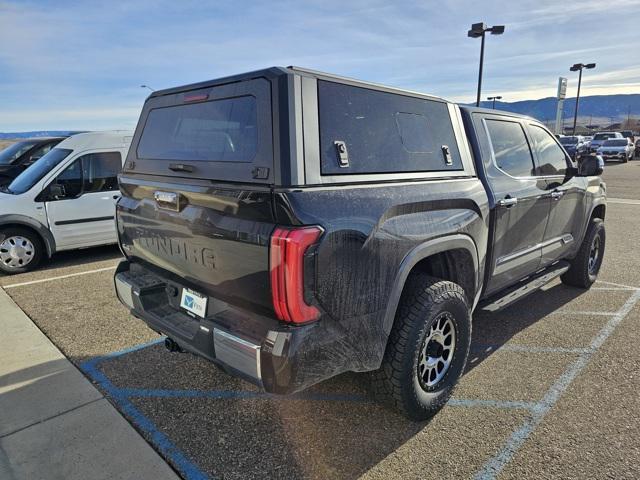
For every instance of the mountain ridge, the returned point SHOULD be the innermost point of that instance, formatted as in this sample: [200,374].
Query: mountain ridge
[612,108]
[601,110]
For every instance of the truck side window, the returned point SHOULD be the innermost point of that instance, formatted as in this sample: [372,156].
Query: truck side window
[551,158]
[100,171]
[383,132]
[510,148]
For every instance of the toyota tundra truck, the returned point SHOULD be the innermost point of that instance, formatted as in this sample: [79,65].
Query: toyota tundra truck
[290,225]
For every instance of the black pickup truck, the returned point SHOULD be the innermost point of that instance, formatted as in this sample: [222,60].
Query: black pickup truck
[291,225]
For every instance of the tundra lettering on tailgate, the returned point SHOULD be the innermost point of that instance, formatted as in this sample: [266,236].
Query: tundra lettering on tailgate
[176,249]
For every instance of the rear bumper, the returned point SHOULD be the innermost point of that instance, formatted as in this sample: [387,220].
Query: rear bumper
[617,156]
[276,357]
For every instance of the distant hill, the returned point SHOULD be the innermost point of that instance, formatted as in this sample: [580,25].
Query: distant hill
[39,133]
[604,109]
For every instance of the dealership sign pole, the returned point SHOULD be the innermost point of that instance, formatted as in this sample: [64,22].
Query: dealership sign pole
[562,93]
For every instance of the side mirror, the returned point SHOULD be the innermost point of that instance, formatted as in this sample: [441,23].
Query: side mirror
[571,172]
[56,191]
[590,166]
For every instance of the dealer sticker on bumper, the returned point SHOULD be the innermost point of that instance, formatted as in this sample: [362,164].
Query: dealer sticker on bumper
[194,302]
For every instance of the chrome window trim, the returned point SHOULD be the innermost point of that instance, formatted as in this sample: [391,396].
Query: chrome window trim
[563,239]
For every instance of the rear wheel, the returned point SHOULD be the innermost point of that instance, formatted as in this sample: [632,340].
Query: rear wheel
[20,250]
[427,349]
[586,266]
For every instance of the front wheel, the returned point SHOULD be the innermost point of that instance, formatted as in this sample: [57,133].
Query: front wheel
[586,266]
[20,250]
[427,349]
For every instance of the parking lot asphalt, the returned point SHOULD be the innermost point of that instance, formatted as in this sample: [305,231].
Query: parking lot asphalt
[551,390]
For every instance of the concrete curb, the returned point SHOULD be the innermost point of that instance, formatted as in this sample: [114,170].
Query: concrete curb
[53,422]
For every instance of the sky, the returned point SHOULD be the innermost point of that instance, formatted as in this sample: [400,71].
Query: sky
[67,65]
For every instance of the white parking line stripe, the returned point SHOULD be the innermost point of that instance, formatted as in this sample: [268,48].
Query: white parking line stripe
[42,280]
[611,289]
[577,312]
[628,287]
[626,201]
[525,349]
[507,404]
[494,466]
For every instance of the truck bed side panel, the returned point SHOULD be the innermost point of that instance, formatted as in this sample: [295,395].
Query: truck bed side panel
[369,231]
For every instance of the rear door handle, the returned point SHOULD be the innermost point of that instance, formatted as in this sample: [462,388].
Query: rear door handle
[507,202]
[557,195]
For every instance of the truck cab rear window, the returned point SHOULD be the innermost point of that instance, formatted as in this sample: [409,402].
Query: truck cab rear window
[383,132]
[215,131]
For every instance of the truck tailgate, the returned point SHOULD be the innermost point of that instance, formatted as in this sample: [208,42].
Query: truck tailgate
[215,238]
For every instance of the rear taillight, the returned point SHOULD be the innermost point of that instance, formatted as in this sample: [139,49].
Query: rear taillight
[288,246]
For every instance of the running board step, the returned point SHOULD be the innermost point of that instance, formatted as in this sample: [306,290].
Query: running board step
[524,288]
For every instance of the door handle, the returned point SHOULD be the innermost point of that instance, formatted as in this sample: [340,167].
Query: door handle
[557,195]
[507,202]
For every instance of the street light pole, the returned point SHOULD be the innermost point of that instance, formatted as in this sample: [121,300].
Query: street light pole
[147,86]
[497,97]
[478,30]
[480,70]
[575,113]
[578,67]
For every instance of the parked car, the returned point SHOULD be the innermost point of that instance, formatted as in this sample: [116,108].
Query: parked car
[628,134]
[600,137]
[65,200]
[291,225]
[637,148]
[18,156]
[574,145]
[616,149]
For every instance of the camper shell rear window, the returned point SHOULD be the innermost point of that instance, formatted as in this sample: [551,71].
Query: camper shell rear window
[218,133]
[223,130]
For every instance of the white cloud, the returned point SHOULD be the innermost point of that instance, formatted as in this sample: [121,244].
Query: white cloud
[83,62]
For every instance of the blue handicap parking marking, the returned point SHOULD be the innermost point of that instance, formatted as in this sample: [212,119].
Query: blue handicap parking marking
[122,397]
[168,449]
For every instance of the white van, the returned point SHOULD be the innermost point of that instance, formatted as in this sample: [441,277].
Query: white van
[63,201]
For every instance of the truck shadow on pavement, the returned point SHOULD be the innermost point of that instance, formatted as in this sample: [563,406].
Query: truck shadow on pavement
[206,423]
[492,330]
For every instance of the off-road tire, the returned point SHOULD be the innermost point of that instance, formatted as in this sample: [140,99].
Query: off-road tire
[38,249]
[396,384]
[579,274]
